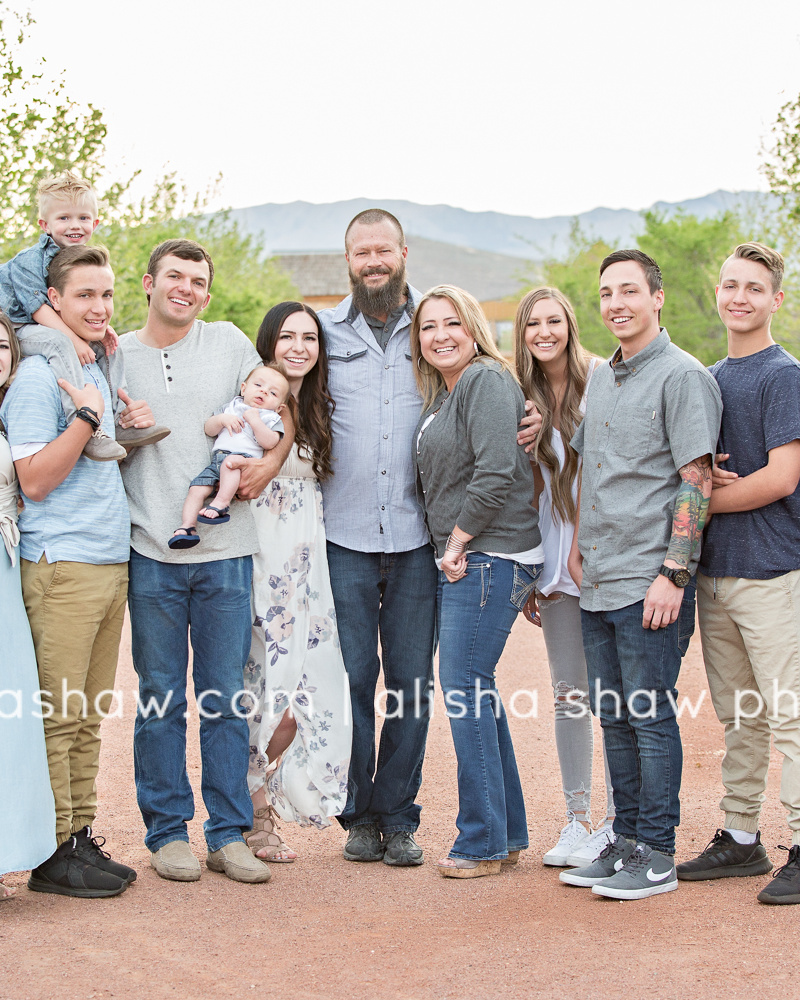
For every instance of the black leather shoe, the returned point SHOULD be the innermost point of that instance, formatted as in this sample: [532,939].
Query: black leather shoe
[90,849]
[364,843]
[66,873]
[401,850]
[724,858]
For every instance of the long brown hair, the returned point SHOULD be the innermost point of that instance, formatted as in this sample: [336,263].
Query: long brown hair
[315,404]
[5,322]
[537,389]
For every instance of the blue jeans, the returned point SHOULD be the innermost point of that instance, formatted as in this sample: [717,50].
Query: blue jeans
[476,615]
[643,743]
[213,600]
[391,595]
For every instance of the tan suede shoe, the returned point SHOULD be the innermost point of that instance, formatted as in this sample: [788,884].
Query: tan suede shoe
[175,861]
[237,861]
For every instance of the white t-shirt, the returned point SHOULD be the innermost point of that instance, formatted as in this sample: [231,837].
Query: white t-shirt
[244,442]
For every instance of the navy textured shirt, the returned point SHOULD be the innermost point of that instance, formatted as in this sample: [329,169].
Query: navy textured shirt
[761,398]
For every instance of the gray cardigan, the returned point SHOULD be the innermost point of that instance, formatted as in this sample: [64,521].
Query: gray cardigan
[470,470]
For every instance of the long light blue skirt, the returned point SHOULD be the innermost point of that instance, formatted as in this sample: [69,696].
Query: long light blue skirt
[27,813]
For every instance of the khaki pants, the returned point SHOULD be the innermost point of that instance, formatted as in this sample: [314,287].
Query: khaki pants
[750,631]
[76,612]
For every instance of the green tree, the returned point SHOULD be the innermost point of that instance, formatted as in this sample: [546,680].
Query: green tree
[43,132]
[689,252]
[781,159]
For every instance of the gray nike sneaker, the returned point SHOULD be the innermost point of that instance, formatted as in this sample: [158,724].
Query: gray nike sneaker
[610,860]
[645,873]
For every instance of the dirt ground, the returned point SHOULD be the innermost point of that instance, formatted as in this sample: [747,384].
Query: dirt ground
[323,927]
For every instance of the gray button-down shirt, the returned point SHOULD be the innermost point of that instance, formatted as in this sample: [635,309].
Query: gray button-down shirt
[645,419]
[370,501]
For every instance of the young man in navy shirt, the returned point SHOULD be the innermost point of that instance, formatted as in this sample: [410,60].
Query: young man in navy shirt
[748,587]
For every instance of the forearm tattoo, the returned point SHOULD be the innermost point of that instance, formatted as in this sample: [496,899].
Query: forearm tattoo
[691,507]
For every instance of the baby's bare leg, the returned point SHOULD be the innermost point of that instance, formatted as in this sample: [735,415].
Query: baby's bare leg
[192,505]
[229,480]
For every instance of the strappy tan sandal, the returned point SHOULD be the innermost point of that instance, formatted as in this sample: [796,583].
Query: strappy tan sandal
[6,892]
[264,840]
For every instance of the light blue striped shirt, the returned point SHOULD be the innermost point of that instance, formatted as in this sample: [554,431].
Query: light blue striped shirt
[85,519]
[370,501]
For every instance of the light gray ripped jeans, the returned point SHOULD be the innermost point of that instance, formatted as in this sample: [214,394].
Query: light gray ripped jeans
[560,616]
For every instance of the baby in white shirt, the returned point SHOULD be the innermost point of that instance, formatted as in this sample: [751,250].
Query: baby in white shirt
[249,425]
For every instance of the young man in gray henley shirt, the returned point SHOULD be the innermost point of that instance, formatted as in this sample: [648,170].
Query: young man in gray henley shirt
[647,443]
[190,369]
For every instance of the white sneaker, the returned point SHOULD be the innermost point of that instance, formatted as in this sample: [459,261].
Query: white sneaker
[590,849]
[572,836]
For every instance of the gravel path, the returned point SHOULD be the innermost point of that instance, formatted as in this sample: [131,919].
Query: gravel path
[324,927]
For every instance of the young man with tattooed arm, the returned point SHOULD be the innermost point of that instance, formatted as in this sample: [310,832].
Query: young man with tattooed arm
[647,442]
[748,589]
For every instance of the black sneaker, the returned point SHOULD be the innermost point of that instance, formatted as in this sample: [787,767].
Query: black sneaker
[785,887]
[401,850]
[364,843]
[66,873]
[725,858]
[90,849]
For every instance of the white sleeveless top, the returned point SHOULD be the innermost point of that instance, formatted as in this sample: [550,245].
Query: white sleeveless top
[556,534]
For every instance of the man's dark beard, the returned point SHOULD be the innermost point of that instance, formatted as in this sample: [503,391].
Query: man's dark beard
[379,301]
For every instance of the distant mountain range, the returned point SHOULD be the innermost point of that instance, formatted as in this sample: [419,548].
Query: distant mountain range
[301,226]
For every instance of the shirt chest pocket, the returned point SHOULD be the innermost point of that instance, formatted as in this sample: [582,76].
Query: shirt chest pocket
[348,372]
[634,431]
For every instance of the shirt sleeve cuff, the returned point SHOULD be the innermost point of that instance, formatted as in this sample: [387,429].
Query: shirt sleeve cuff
[19,451]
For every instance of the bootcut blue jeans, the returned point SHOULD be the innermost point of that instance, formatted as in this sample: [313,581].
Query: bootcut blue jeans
[475,618]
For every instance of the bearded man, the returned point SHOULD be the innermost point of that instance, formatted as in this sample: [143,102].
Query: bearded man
[381,563]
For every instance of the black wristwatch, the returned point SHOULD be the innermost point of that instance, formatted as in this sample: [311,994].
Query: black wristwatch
[680,577]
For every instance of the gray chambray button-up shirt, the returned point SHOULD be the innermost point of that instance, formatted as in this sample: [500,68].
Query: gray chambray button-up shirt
[370,500]
[645,419]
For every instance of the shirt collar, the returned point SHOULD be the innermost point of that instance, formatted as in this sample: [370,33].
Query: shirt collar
[645,356]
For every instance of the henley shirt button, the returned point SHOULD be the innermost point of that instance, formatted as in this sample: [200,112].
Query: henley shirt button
[593,507]
[383,472]
[619,383]
[382,507]
[169,378]
[594,546]
[348,354]
[166,355]
[386,401]
[386,367]
[599,465]
[168,367]
[597,586]
[606,423]
[386,438]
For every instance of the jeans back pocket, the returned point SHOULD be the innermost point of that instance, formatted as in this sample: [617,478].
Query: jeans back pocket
[525,578]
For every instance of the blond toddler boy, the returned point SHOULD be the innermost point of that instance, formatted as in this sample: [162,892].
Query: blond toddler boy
[68,216]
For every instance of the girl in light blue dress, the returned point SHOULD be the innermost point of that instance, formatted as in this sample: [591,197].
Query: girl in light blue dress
[27,813]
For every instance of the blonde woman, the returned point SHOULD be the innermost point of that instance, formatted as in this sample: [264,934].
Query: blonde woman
[554,370]
[476,485]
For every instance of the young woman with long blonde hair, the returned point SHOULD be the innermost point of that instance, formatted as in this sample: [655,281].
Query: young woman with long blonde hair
[554,371]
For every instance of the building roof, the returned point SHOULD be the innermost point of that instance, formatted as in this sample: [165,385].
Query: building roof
[488,276]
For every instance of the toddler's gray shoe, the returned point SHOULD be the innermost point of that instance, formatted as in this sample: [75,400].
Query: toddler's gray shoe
[102,448]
